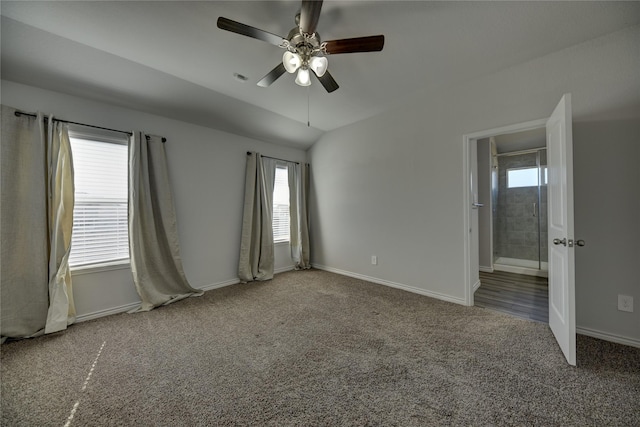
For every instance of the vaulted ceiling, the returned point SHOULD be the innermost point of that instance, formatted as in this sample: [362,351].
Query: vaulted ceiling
[169,58]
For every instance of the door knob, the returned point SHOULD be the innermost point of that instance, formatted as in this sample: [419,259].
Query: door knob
[580,243]
[562,242]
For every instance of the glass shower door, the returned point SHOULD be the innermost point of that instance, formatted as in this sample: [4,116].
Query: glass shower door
[521,211]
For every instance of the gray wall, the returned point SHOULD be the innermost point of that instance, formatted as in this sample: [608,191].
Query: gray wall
[606,161]
[393,185]
[206,168]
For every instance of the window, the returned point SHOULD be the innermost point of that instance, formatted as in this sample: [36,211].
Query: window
[100,221]
[526,177]
[281,205]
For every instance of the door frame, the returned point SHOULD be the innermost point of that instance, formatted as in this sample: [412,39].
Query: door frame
[470,141]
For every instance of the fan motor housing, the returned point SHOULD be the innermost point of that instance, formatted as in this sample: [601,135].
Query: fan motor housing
[301,41]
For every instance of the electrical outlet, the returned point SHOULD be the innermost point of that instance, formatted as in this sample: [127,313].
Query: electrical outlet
[625,303]
[374,260]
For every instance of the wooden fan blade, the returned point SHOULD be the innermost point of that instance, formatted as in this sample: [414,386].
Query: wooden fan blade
[358,44]
[328,82]
[272,76]
[309,15]
[246,30]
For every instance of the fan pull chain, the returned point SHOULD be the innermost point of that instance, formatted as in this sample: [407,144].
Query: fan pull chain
[308,119]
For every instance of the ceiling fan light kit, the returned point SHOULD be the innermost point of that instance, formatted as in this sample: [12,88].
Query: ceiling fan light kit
[291,61]
[303,79]
[319,65]
[304,49]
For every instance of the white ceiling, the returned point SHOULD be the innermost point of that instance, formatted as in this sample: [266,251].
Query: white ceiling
[169,58]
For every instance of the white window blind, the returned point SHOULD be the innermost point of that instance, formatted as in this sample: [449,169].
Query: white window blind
[281,205]
[100,229]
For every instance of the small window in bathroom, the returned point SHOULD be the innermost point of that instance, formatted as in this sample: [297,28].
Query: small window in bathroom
[525,177]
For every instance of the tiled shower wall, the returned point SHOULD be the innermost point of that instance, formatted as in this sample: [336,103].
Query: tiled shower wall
[516,226]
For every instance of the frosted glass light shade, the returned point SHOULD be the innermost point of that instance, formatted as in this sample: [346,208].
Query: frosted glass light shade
[291,61]
[303,78]
[319,65]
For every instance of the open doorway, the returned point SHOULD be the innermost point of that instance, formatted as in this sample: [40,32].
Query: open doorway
[472,215]
[512,224]
[560,238]
[512,183]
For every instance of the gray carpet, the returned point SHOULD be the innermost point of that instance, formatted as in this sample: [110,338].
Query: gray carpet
[315,348]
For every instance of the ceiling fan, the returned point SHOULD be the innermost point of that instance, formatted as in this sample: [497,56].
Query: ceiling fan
[304,49]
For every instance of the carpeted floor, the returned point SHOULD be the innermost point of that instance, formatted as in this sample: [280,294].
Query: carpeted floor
[315,348]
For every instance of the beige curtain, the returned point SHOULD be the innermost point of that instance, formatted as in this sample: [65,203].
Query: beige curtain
[35,226]
[305,254]
[299,214]
[293,172]
[256,244]
[153,233]
[62,310]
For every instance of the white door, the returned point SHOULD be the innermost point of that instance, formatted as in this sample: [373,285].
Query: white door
[560,226]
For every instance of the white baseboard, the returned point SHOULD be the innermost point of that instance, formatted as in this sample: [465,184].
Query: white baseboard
[404,287]
[584,331]
[476,286]
[580,330]
[106,312]
[632,342]
[283,269]
[220,284]
[520,270]
[237,280]
[486,269]
[131,306]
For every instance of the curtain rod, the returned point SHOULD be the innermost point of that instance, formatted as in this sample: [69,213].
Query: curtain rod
[22,113]
[275,158]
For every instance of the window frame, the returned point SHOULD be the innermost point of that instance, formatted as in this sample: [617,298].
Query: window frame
[111,137]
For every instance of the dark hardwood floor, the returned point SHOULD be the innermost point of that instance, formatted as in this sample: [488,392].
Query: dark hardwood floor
[517,294]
